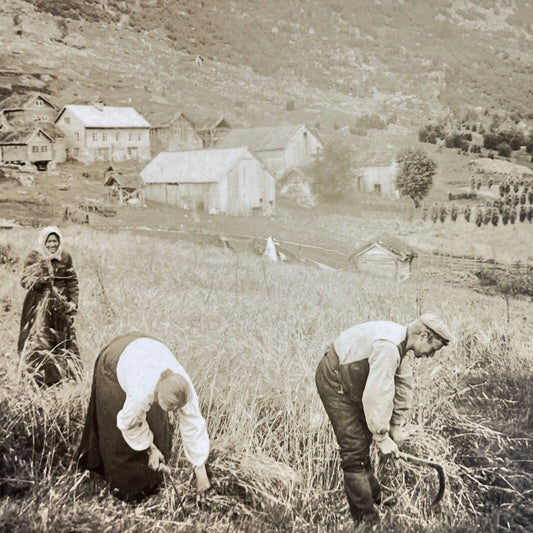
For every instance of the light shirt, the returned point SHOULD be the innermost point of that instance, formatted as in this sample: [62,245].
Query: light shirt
[138,371]
[387,395]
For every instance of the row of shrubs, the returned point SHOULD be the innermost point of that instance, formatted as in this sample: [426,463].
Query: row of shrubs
[483,215]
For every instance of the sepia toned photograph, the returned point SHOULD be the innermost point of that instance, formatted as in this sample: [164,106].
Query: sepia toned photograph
[266,266]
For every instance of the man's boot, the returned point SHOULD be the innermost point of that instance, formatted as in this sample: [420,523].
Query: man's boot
[359,493]
[374,485]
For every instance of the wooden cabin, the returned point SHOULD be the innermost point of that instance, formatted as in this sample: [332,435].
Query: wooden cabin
[386,257]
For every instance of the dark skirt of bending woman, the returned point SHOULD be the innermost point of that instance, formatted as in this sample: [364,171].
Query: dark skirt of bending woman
[103,449]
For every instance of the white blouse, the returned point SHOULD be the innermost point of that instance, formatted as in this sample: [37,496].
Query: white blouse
[138,371]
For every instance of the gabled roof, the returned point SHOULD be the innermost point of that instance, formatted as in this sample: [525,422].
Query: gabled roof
[211,123]
[261,139]
[130,181]
[21,101]
[295,172]
[107,117]
[161,120]
[391,244]
[192,166]
[23,134]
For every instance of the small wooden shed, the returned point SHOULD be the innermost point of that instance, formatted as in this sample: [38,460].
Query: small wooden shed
[386,257]
[124,187]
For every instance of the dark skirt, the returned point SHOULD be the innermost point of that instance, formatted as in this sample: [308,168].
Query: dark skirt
[103,448]
[48,337]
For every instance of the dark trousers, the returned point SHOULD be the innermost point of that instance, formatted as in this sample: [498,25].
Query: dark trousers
[341,390]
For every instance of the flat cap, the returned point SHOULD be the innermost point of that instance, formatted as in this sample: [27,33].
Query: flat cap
[437,327]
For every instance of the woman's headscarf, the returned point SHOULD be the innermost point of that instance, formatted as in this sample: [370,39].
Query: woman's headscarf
[41,247]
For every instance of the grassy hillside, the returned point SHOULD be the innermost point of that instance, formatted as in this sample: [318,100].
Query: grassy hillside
[250,333]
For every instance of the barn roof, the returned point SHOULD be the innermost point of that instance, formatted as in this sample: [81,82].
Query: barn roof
[211,123]
[22,132]
[263,138]
[107,116]
[162,120]
[392,244]
[192,166]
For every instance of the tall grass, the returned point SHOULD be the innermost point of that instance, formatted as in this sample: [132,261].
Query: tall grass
[250,334]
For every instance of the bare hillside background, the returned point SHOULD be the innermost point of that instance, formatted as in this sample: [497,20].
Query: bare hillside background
[406,61]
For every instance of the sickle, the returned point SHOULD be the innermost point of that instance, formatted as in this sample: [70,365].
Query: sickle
[437,467]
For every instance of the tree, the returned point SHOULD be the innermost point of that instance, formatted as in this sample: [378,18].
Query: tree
[415,177]
[332,170]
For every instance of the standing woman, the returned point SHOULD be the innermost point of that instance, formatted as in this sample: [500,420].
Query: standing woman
[47,338]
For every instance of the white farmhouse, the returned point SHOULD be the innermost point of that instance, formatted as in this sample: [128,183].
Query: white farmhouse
[104,133]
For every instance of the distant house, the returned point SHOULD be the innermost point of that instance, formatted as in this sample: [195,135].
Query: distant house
[378,179]
[36,108]
[31,143]
[104,133]
[231,182]
[174,135]
[387,257]
[278,147]
[212,130]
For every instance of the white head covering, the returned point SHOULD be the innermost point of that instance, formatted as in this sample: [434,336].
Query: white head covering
[41,247]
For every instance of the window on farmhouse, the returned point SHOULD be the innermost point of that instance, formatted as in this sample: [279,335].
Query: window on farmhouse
[117,136]
[44,148]
[130,136]
[139,136]
[95,136]
[104,136]
[77,135]
[38,102]
[34,149]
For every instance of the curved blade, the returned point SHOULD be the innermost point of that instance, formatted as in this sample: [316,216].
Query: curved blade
[436,466]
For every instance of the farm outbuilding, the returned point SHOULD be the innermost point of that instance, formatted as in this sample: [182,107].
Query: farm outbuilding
[212,129]
[378,179]
[175,134]
[278,147]
[124,187]
[31,143]
[387,257]
[36,108]
[231,182]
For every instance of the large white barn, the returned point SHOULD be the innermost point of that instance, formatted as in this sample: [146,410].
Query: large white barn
[230,181]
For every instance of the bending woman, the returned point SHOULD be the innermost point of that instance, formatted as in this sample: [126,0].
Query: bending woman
[47,339]
[127,437]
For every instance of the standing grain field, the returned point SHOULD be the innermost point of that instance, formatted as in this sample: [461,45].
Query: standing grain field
[250,334]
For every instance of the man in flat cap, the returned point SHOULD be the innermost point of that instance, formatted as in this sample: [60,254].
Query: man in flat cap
[365,383]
